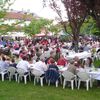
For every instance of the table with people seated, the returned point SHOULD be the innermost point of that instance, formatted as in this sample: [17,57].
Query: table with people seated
[94,73]
[81,55]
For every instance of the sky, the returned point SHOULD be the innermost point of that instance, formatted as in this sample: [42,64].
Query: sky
[34,6]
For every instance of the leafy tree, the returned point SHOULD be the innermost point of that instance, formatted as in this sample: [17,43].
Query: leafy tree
[4,28]
[4,6]
[54,28]
[76,13]
[93,9]
[37,25]
[89,26]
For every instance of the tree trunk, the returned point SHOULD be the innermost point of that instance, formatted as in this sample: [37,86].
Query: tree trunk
[76,40]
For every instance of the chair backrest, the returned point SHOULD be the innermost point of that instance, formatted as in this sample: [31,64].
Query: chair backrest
[2,69]
[12,70]
[68,75]
[52,75]
[83,76]
[21,71]
[36,72]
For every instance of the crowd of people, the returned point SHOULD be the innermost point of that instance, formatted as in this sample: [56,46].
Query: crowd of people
[44,54]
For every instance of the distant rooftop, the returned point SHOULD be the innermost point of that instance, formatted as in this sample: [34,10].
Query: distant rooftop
[21,15]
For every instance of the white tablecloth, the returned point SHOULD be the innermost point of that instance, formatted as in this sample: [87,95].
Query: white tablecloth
[80,55]
[95,74]
[62,69]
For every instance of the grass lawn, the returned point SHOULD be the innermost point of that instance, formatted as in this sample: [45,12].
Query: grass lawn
[15,91]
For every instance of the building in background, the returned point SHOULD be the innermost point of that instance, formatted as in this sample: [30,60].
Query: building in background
[18,19]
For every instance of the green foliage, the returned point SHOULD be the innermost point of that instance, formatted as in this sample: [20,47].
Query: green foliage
[4,28]
[4,6]
[14,91]
[89,26]
[2,14]
[54,28]
[37,24]
[97,63]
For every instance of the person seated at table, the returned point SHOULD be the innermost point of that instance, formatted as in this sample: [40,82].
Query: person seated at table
[88,62]
[48,60]
[53,64]
[86,47]
[40,65]
[72,67]
[52,74]
[16,46]
[29,58]
[77,62]
[23,64]
[7,60]
[38,52]
[81,68]
[3,64]
[62,61]
[57,56]
[23,52]
[13,63]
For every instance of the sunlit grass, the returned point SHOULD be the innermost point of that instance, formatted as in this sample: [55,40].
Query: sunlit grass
[14,91]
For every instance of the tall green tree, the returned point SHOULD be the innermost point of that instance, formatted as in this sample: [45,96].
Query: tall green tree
[89,26]
[76,13]
[37,25]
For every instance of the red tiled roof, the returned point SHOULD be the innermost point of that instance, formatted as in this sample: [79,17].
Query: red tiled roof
[19,15]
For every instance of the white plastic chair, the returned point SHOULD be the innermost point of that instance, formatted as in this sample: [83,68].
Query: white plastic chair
[3,73]
[37,76]
[12,72]
[21,73]
[84,77]
[69,77]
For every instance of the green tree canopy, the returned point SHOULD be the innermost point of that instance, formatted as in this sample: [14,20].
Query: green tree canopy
[37,25]
[89,26]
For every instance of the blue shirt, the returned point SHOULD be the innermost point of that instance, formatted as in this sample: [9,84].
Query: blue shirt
[3,65]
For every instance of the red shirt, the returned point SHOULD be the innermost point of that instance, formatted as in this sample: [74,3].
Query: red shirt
[61,62]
